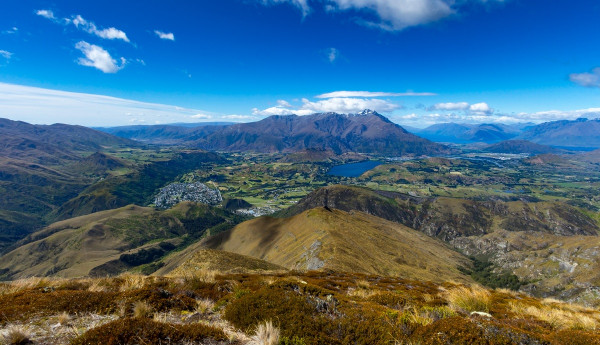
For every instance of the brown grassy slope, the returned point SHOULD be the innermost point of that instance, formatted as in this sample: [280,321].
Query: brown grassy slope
[197,262]
[72,248]
[343,241]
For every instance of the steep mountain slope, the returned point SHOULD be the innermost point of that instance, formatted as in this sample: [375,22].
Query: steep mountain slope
[467,133]
[578,133]
[367,132]
[521,146]
[109,242]
[323,238]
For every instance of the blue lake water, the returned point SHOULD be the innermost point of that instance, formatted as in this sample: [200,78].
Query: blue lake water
[353,169]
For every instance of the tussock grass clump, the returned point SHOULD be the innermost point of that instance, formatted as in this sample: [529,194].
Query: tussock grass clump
[147,331]
[265,334]
[204,306]
[64,318]
[142,309]
[132,282]
[14,335]
[473,299]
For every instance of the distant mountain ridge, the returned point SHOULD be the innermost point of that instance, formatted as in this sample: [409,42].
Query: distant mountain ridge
[581,133]
[365,132]
[461,133]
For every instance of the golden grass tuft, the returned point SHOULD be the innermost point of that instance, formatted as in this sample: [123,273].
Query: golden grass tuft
[14,335]
[266,334]
[23,284]
[204,306]
[64,318]
[142,309]
[466,299]
[559,315]
[132,282]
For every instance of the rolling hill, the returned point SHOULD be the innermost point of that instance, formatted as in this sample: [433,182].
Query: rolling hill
[42,167]
[175,134]
[110,242]
[521,146]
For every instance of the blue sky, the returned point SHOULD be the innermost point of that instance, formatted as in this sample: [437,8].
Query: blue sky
[418,62]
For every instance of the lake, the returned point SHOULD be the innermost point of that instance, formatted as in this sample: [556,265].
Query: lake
[353,169]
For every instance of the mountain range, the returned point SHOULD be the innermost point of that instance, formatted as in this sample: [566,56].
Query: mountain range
[581,133]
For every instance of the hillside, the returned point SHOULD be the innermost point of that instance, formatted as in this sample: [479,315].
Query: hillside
[42,167]
[322,239]
[110,242]
[521,146]
[324,308]
[367,132]
[580,133]
[507,234]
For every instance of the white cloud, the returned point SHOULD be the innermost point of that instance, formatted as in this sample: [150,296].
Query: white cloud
[283,103]
[481,108]
[553,115]
[332,54]
[391,15]
[11,31]
[164,35]
[6,54]
[80,23]
[45,106]
[341,105]
[477,108]
[48,14]
[90,27]
[587,79]
[200,116]
[451,106]
[337,94]
[99,58]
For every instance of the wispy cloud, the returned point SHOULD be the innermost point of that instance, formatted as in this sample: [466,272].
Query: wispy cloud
[591,79]
[45,106]
[337,94]
[5,57]
[332,54]
[11,31]
[165,35]
[99,58]
[391,15]
[80,23]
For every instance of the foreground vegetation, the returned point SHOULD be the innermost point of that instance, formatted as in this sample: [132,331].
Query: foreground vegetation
[287,308]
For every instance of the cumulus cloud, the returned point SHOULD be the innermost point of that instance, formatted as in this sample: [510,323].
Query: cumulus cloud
[87,26]
[451,106]
[343,105]
[481,108]
[45,106]
[337,94]
[591,79]
[99,58]
[165,35]
[237,117]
